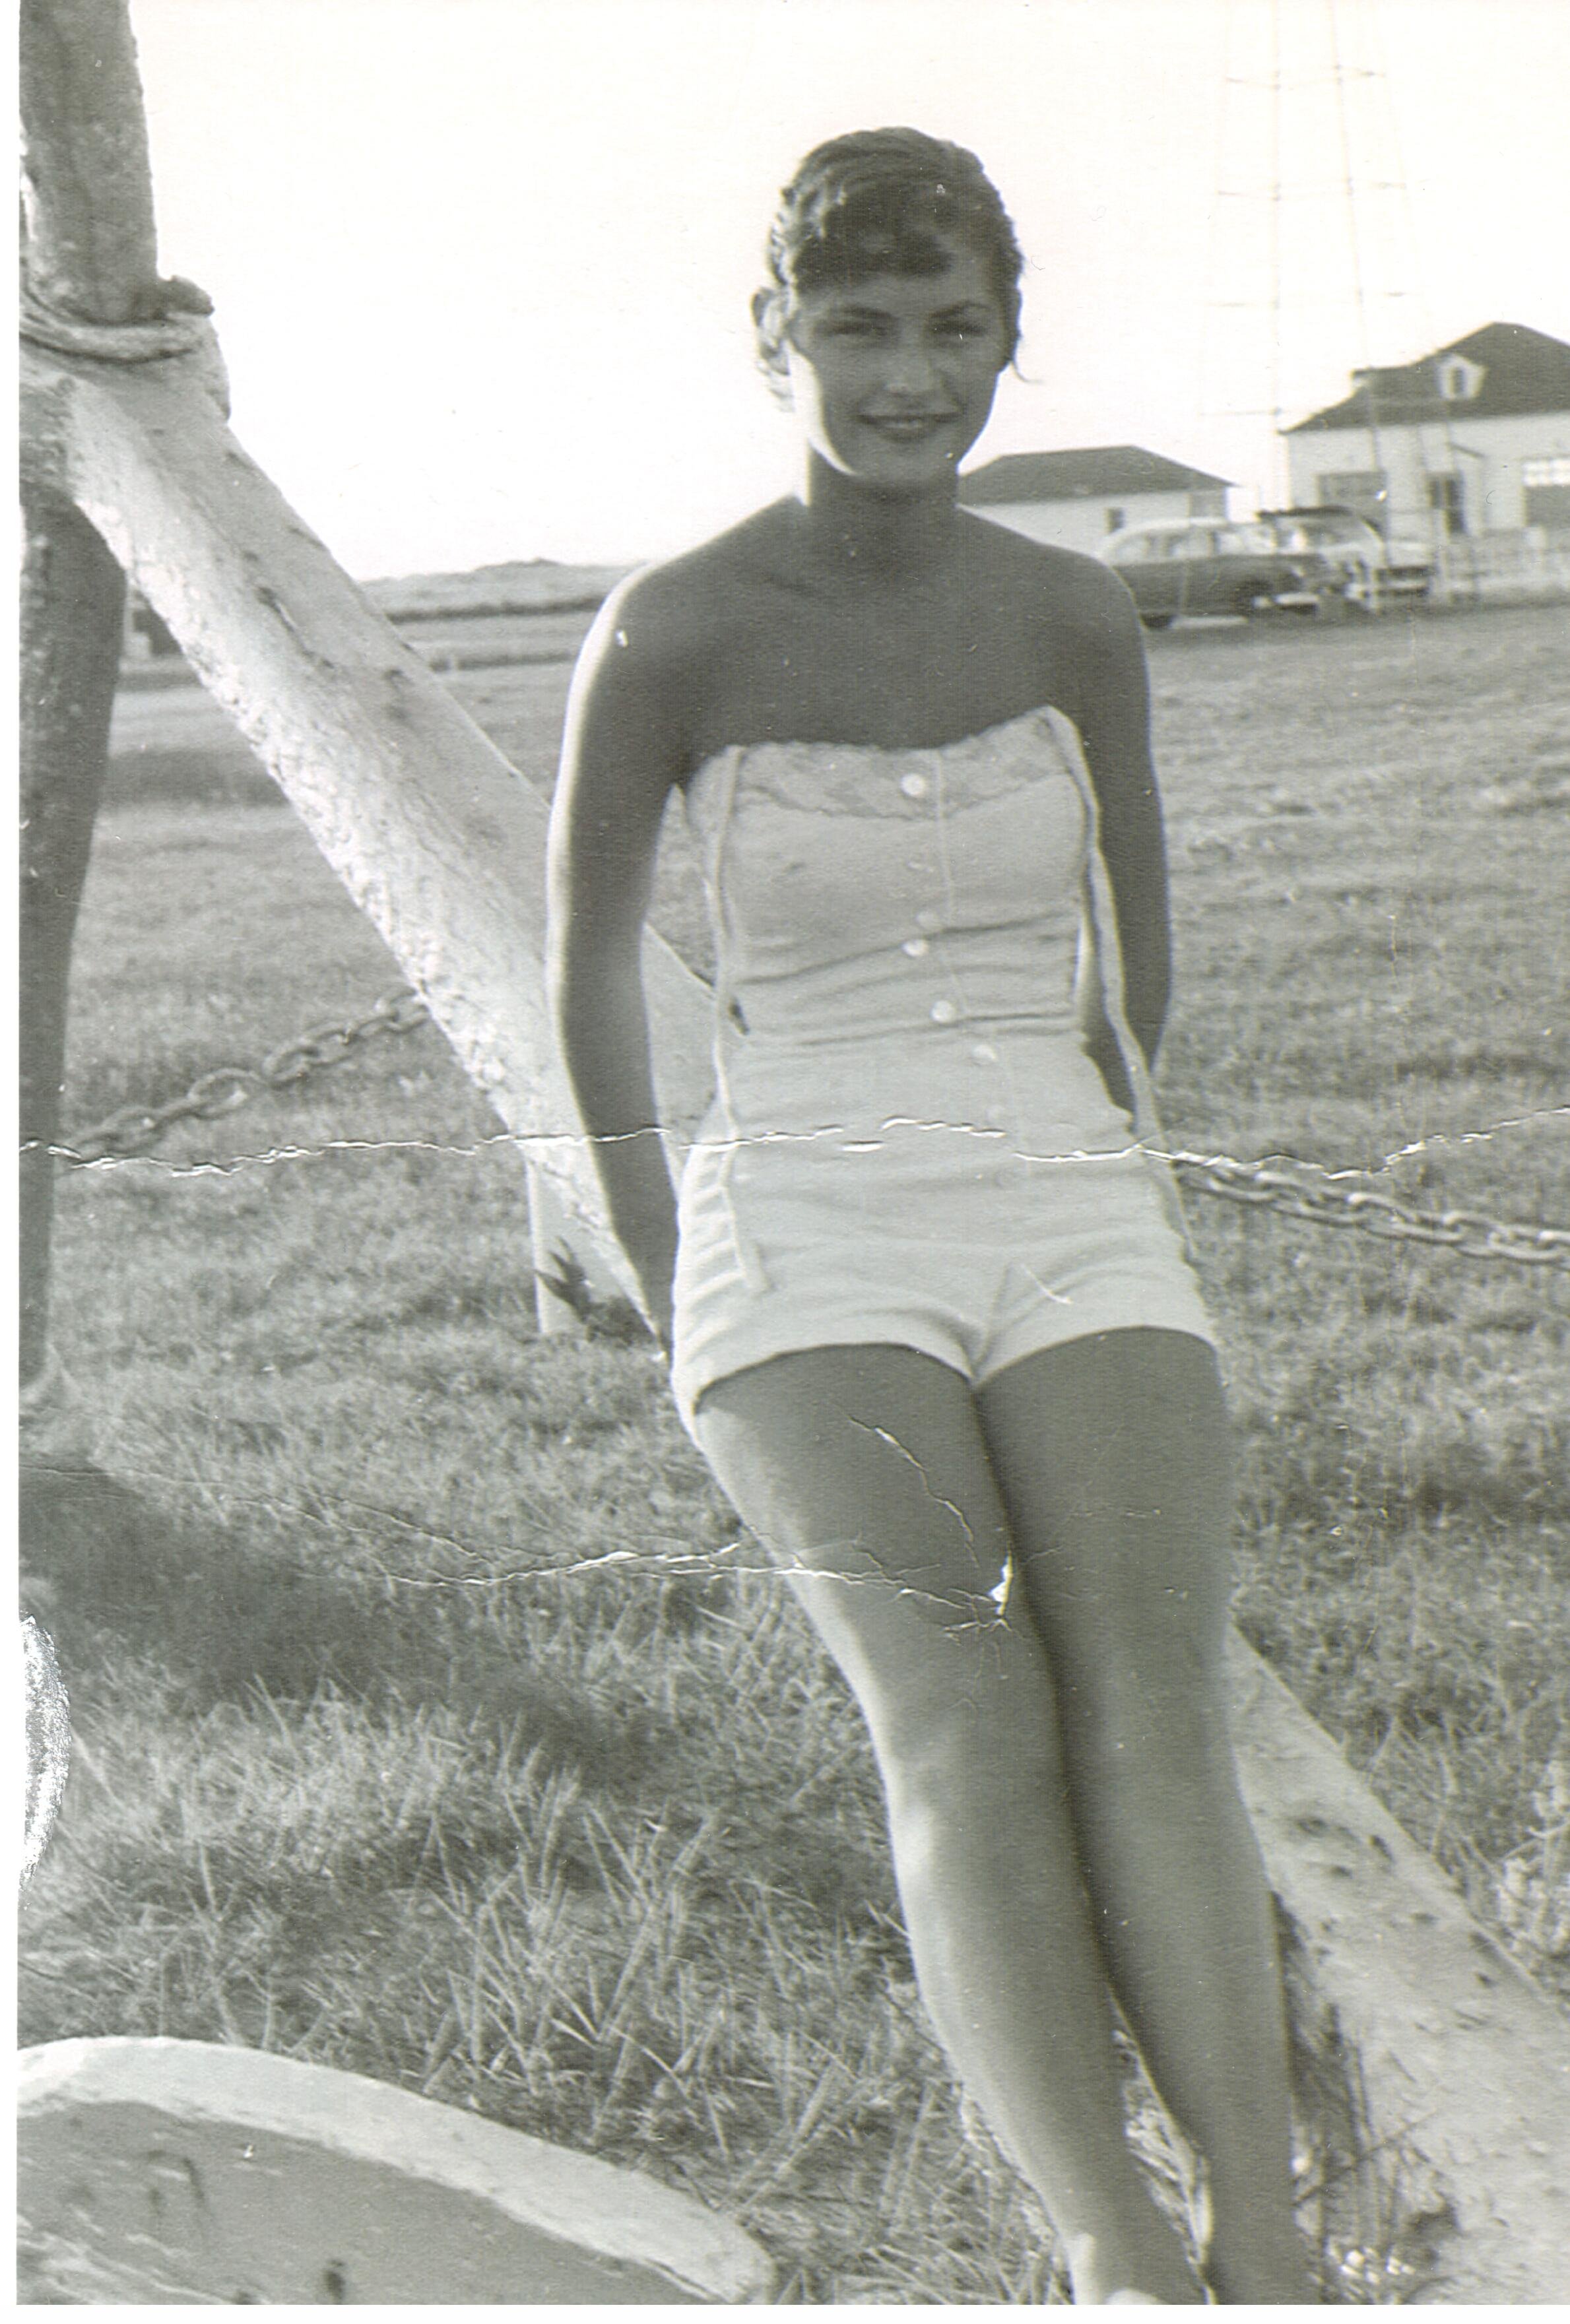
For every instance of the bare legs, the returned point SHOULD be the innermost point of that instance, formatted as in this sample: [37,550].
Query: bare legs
[891,1493]
[1113,1459]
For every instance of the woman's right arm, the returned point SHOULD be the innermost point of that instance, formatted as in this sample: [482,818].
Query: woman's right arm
[623,749]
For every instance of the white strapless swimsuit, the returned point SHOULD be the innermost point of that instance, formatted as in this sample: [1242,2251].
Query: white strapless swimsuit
[907,1142]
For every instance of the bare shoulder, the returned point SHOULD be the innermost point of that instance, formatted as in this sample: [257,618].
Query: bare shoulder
[669,611]
[1083,624]
[1077,595]
[657,638]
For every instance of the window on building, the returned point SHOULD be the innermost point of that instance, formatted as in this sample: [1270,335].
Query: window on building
[1547,491]
[1115,519]
[1459,379]
[1366,490]
[1447,499]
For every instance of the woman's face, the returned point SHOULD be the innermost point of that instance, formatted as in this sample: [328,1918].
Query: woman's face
[892,379]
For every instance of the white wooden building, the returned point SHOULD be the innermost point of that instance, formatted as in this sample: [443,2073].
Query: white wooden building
[1470,439]
[1075,498]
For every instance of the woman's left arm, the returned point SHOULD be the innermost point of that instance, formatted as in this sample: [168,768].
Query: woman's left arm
[1112,714]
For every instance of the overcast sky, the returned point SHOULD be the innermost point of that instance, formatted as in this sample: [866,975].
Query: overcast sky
[482,266]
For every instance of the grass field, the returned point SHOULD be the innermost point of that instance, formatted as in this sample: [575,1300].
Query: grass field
[430,1718]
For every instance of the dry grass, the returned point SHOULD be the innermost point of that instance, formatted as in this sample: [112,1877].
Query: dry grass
[431,1720]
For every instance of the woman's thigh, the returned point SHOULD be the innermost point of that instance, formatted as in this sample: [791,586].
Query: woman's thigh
[864,1473]
[1110,1456]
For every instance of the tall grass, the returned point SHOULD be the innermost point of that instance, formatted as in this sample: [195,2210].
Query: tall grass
[432,1718]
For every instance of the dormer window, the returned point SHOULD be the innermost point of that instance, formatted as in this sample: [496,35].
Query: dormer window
[1459,379]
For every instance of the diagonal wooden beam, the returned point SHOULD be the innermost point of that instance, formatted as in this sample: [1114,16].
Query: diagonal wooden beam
[420,816]
[438,839]
[1465,2059]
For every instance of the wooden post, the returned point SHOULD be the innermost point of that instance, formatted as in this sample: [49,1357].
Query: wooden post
[91,250]
[90,257]
[73,605]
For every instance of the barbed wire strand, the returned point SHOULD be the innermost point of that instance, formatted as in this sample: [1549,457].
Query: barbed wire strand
[1304,1191]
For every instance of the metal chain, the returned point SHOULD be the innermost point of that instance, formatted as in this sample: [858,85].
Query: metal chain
[136,1129]
[1303,1190]
[1293,1189]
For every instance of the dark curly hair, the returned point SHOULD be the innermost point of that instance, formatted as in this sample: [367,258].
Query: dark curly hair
[875,202]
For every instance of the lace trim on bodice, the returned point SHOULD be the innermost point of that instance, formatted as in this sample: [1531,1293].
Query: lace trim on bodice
[870,779]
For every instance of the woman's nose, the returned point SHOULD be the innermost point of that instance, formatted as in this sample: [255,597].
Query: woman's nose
[911,370]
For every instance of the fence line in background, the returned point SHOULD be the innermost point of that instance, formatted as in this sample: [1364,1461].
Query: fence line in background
[1532,563]
[1311,1192]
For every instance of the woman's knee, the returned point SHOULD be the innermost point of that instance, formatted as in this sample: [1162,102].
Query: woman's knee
[1163,1720]
[973,1754]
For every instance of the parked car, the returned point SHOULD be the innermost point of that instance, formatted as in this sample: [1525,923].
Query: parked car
[1373,569]
[1208,565]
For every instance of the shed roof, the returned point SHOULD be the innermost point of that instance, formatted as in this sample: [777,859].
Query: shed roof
[1523,370]
[1083,473]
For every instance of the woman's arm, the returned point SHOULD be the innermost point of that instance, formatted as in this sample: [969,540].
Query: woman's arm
[624,748]
[1113,715]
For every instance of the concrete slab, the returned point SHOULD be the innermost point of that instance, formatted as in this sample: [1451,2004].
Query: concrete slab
[186,2172]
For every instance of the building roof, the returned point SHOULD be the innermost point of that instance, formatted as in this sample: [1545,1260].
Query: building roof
[1522,370]
[1080,475]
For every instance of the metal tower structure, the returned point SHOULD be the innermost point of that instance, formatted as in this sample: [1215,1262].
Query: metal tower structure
[1313,269]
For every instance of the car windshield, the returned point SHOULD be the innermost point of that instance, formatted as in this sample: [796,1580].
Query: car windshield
[1310,529]
[1246,541]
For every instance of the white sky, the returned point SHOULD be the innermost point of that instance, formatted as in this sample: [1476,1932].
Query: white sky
[482,266]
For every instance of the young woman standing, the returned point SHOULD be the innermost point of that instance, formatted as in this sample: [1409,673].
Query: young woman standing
[924,1287]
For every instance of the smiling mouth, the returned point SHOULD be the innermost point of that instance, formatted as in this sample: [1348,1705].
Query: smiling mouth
[911,428]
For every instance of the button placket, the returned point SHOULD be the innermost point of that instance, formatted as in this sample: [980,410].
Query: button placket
[946,1011]
[929,917]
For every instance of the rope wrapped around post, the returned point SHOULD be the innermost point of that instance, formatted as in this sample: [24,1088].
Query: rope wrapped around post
[183,331]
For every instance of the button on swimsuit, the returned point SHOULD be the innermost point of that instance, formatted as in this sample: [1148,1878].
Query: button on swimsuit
[907,1142]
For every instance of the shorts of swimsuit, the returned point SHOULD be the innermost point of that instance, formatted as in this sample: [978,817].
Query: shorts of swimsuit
[950,1240]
